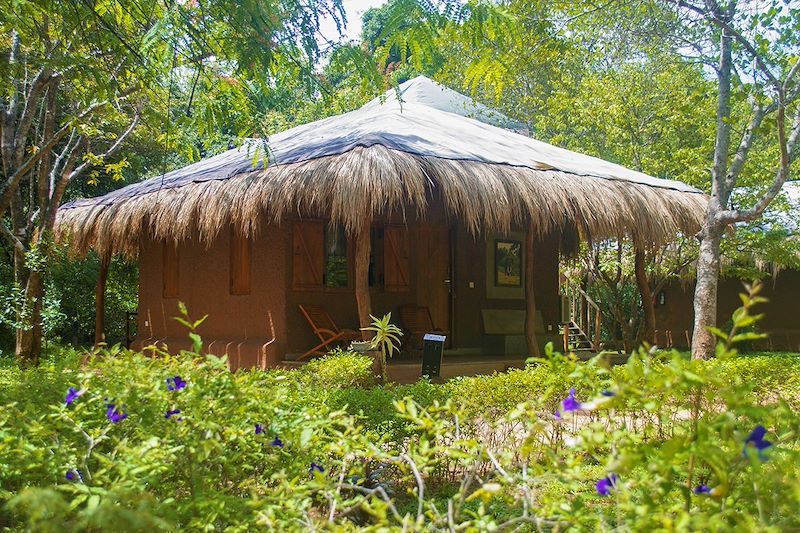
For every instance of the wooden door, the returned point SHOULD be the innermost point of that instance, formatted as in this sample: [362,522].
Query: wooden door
[433,273]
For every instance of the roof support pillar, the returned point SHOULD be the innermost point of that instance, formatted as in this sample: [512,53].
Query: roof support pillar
[643,284]
[530,297]
[363,300]
[100,300]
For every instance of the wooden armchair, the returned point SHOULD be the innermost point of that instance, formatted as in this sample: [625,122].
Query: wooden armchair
[416,322]
[325,328]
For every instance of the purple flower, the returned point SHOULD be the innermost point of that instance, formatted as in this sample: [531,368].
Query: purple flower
[557,414]
[277,442]
[605,485]
[756,441]
[702,489]
[74,474]
[175,383]
[259,429]
[570,403]
[316,468]
[115,415]
[72,395]
[172,412]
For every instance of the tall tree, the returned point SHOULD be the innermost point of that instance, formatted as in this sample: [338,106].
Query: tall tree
[756,54]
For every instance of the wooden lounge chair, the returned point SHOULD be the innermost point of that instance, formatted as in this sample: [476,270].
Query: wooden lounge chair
[325,328]
[416,321]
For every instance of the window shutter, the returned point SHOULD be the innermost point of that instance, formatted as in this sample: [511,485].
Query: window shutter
[170,269]
[395,259]
[240,264]
[307,254]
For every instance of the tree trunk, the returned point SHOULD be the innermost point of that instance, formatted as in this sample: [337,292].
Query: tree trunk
[705,294]
[100,302]
[530,297]
[362,278]
[29,339]
[649,325]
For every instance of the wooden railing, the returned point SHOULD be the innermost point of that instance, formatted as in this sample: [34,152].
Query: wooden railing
[583,311]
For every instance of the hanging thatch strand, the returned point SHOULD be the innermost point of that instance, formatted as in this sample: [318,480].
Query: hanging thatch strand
[381,159]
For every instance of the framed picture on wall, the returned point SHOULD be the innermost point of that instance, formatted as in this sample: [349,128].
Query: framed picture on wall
[507,263]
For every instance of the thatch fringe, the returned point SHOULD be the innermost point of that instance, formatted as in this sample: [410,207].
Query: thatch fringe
[370,181]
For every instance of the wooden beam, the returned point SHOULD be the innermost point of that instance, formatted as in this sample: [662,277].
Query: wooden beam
[648,305]
[100,301]
[530,297]
[363,301]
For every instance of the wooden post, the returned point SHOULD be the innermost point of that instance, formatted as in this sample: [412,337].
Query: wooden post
[100,300]
[648,306]
[530,297]
[598,323]
[362,278]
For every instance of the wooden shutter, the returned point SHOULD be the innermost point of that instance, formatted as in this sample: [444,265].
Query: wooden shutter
[240,264]
[170,269]
[307,254]
[395,259]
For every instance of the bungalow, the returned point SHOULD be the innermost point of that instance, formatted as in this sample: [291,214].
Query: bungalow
[407,201]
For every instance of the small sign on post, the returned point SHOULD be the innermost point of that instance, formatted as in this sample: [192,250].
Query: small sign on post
[432,348]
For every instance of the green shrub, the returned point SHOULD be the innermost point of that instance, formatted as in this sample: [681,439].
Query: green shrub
[340,369]
[375,407]
[770,375]
[474,454]
[203,467]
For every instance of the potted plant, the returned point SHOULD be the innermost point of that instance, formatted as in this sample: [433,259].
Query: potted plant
[361,346]
[386,338]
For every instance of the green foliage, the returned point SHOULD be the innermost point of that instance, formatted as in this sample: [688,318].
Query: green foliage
[340,370]
[492,396]
[487,448]
[69,280]
[68,312]
[386,335]
[375,407]
[386,338]
[205,467]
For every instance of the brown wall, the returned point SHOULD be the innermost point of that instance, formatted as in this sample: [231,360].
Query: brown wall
[205,288]
[780,312]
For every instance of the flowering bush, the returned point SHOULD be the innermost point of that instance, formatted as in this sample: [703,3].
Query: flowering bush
[128,442]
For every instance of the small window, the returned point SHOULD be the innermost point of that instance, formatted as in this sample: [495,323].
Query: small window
[240,264]
[319,256]
[335,257]
[170,270]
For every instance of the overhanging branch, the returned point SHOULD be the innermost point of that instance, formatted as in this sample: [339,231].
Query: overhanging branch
[787,148]
[12,239]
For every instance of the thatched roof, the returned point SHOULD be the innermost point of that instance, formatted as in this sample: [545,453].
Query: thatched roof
[391,155]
